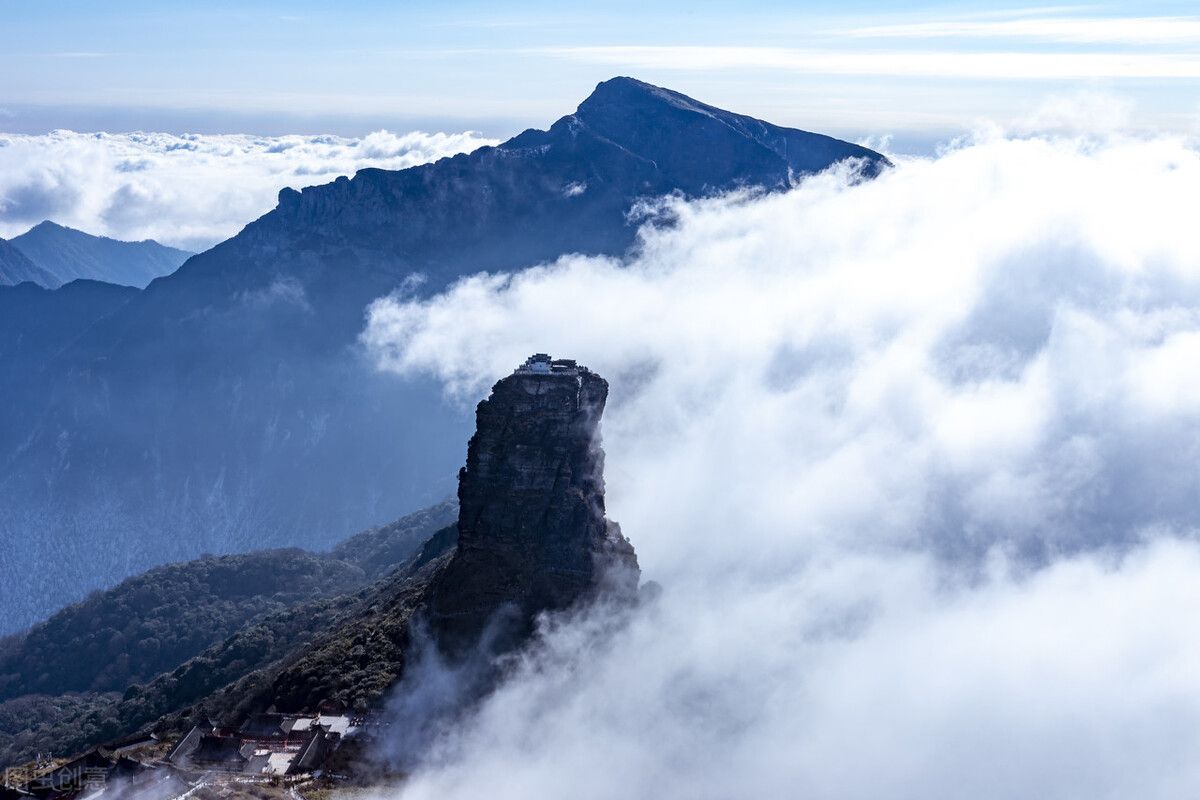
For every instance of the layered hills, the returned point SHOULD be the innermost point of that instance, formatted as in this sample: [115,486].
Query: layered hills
[229,406]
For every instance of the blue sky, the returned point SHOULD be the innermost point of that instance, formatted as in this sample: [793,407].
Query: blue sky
[850,68]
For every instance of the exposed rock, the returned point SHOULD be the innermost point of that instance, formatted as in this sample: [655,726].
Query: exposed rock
[531,537]
[532,534]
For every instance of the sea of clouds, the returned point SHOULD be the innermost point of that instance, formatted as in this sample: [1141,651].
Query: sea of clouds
[188,191]
[917,463]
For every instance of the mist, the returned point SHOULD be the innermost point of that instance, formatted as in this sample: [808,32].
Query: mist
[915,463]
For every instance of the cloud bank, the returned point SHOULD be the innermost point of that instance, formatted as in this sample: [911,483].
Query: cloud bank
[915,461]
[1075,30]
[188,191]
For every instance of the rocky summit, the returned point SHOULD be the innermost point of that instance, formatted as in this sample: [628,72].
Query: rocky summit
[532,531]
[531,537]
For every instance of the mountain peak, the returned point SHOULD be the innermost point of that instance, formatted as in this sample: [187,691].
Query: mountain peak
[49,227]
[66,254]
[624,93]
[700,148]
[621,86]
[532,532]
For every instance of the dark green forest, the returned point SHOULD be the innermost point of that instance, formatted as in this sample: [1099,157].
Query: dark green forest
[219,629]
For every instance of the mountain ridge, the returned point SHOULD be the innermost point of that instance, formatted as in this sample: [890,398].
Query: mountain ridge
[66,254]
[230,406]
[164,638]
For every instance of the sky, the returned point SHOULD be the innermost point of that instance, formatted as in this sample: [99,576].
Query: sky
[243,99]
[912,459]
[859,69]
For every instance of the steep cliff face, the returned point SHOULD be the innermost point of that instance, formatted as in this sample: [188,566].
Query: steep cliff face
[531,536]
[532,533]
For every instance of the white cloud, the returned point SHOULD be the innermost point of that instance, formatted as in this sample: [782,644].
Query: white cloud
[1014,65]
[1078,30]
[190,191]
[862,680]
[915,461]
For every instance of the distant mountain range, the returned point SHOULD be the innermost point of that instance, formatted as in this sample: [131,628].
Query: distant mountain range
[228,407]
[55,255]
